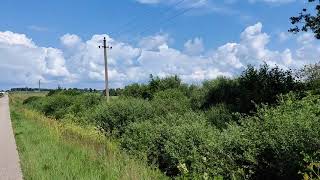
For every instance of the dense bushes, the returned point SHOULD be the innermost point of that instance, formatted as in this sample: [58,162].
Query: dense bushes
[60,104]
[221,90]
[114,117]
[233,128]
[171,100]
[279,137]
[311,75]
[268,146]
[176,143]
[219,116]
[263,86]
[242,94]
[155,85]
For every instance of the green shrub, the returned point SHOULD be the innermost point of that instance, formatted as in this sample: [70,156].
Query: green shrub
[253,87]
[114,117]
[56,106]
[220,116]
[61,104]
[170,100]
[177,144]
[137,91]
[221,90]
[311,75]
[312,167]
[263,85]
[211,141]
[70,92]
[197,97]
[35,102]
[155,85]
[83,103]
[32,100]
[271,144]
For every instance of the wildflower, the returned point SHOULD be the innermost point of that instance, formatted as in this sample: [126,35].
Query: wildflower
[183,168]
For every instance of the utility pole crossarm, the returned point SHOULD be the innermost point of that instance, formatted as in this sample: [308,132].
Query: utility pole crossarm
[105,47]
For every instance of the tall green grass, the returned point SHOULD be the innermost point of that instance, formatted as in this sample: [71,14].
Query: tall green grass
[53,150]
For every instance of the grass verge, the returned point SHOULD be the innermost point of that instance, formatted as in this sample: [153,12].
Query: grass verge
[52,150]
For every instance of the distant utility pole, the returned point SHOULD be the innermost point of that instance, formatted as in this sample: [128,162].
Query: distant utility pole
[105,47]
[39,85]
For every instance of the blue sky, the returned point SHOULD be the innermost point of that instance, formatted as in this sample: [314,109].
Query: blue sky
[55,41]
[45,22]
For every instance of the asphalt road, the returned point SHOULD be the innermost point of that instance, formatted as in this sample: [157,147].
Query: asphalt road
[9,158]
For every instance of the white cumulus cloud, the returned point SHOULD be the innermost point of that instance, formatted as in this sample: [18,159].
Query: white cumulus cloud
[22,62]
[80,62]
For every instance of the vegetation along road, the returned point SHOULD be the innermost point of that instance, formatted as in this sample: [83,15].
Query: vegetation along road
[54,150]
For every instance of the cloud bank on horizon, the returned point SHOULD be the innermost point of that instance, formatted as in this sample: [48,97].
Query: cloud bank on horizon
[79,62]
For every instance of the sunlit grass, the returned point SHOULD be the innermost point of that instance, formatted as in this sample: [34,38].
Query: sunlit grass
[52,150]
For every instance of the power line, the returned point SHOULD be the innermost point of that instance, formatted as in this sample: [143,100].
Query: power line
[168,20]
[126,30]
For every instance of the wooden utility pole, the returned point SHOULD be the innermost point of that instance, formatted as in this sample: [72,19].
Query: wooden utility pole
[105,47]
[39,85]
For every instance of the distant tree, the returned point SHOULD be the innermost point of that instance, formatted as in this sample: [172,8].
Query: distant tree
[309,21]
[253,87]
[115,92]
[310,74]
[263,85]
[137,90]
[157,84]
[221,90]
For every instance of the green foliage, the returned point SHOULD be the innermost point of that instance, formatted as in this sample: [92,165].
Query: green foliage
[307,21]
[61,104]
[311,75]
[268,145]
[263,86]
[220,90]
[170,100]
[137,91]
[253,87]
[58,150]
[69,92]
[312,168]
[220,115]
[114,117]
[31,99]
[232,128]
[155,85]
[171,142]
[115,92]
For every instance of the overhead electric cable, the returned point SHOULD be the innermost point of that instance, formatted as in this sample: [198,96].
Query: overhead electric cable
[168,20]
[126,26]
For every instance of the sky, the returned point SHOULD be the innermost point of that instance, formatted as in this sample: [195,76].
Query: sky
[57,41]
